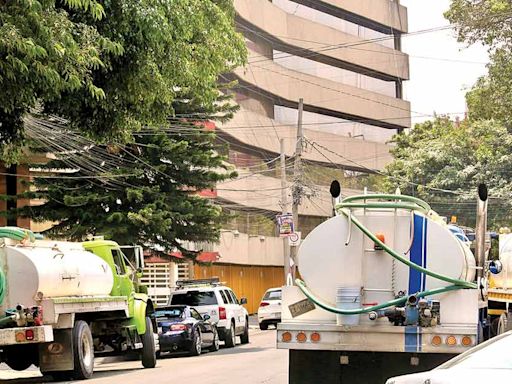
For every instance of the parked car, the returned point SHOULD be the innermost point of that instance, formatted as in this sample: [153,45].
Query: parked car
[182,328]
[269,311]
[210,297]
[491,360]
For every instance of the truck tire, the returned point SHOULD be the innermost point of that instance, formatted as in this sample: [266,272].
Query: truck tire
[230,338]
[83,351]
[244,338]
[263,326]
[148,354]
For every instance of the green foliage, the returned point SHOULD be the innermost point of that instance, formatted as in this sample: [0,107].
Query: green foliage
[150,199]
[488,22]
[114,67]
[43,53]
[442,156]
[484,21]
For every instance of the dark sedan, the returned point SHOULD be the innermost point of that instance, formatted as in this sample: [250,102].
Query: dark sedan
[182,329]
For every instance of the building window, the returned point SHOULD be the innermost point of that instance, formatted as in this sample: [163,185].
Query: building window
[339,75]
[345,26]
[334,125]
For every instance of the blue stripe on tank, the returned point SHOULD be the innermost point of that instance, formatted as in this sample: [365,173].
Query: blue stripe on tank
[413,339]
[416,255]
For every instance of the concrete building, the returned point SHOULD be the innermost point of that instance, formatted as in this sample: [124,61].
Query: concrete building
[343,57]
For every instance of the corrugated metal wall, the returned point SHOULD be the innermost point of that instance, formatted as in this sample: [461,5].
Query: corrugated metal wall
[247,281]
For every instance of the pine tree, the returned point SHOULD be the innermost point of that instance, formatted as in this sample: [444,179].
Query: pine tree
[149,196]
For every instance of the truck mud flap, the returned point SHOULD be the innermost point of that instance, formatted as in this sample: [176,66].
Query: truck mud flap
[58,355]
[334,367]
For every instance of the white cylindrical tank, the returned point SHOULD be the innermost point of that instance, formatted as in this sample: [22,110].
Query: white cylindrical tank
[48,272]
[337,254]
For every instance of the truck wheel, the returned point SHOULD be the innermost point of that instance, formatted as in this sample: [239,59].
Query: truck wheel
[244,338]
[148,355]
[83,351]
[263,326]
[230,338]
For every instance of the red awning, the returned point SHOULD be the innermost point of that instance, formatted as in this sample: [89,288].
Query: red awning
[203,257]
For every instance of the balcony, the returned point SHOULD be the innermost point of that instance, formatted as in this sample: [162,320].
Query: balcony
[260,19]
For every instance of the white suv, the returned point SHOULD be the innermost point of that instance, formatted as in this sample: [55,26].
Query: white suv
[269,311]
[219,302]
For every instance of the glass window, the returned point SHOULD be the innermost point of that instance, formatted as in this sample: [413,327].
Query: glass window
[494,355]
[194,298]
[292,7]
[229,297]
[195,314]
[169,312]
[339,75]
[334,125]
[272,295]
[235,300]
[118,261]
[224,297]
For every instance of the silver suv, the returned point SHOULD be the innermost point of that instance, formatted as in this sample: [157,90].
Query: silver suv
[210,297]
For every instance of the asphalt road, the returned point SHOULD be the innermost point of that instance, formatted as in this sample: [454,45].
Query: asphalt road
[253,363]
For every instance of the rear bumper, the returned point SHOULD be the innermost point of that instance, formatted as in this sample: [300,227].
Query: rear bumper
[222,333]
[270,317]
[175,341]
[17,335]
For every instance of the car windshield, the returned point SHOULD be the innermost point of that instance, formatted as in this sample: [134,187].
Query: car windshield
[171,312]
[272,295]
[194,298]
[494,355]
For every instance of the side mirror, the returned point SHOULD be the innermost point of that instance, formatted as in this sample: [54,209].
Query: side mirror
[495,267]
[243,300]
[206,317]
[139,257]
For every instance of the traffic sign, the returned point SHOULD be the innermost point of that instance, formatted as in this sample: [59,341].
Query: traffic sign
[294,239]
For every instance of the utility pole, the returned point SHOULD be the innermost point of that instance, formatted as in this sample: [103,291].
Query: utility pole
[284,207]
[297,187]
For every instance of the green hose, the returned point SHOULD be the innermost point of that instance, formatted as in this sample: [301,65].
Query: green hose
[3,286]
[17,234]
[399,301]
[406,202]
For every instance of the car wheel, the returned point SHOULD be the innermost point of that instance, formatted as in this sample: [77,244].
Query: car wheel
[216,343]
[230,339]
[195,349]
[244,338]
[263,326]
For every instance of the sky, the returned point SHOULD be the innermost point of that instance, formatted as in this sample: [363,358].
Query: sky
[441,69]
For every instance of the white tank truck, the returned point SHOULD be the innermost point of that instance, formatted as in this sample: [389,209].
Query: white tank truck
[62,302]
[385,289]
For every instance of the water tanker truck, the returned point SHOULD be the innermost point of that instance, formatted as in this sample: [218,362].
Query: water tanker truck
[62,303]
[386,289]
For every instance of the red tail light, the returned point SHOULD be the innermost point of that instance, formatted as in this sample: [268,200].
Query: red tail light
[29,334]
[178,327]
[222,313]
[264,304]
